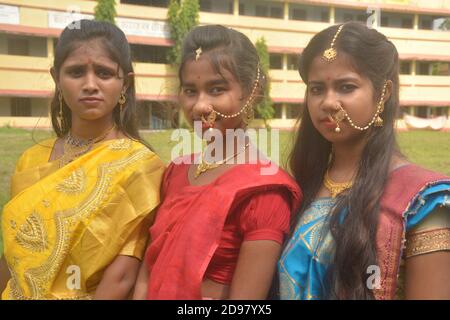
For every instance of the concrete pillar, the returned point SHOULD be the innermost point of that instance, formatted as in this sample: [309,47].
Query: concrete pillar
[285,61]
[416,22]
[50,49]
[332,15]
[284,111]
[413,68]
[236,7]
[149,105]
[286,10]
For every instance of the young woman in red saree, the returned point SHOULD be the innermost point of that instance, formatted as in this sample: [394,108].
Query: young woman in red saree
[219,230]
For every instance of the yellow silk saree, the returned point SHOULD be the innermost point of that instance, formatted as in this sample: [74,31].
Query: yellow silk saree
[64,226]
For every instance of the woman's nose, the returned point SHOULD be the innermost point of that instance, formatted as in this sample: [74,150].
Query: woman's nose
[90,84]
[202,107]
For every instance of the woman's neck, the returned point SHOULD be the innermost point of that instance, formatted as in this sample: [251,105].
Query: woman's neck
[90,129]
[346,159]
[235,144]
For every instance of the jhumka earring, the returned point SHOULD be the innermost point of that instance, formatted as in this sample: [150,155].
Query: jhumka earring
[60,113]
[122,100]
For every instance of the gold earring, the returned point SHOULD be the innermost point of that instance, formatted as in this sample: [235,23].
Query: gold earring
[379,121]
[122,100]
[249,115]
[60,113]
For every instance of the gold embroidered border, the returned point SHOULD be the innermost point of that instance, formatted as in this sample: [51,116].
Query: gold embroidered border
[427,242]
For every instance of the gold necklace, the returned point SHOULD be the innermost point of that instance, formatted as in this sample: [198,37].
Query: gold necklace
[76,147]
[205,166]
[335,187]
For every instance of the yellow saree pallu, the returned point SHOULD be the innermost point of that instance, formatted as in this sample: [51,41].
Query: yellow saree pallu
[64,226]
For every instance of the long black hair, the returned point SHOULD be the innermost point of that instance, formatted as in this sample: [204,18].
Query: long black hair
[116,45]
[376,58]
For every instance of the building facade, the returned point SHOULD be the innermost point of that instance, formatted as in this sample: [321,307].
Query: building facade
[29,30]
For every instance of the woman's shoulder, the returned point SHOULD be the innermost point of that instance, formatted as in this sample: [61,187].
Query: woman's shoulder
[37,154]
[45,146]
[410,172]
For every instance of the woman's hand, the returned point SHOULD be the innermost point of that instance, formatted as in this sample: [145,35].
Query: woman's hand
[118,279]
[255,269]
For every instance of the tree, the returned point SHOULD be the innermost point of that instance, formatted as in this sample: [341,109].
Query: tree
[182,16]
[445,25]
[265,107]
[105,10]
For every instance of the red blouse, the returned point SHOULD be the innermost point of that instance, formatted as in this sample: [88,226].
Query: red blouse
[198,230]
[251,219]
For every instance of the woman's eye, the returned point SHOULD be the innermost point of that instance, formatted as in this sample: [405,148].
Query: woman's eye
[315,90]
[75,73]
[104,74]
[217,90]
[188,92]
[348,87]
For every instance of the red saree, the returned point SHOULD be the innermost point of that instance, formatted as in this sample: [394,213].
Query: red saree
[190,221]
[400,192]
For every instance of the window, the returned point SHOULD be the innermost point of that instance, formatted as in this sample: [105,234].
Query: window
[261,11]
[278,109]
[18,46]
[292,62]
[345,15]
[405,67]
[423,112]
[20,107]
[23,45]
[427,22]
[224,6]
[407,23]
[276,12]
[298,14]
[308,13]
[150,54]
[348,17]
[276,61]
[324,15]
[242,9]
[423,68]
[266,9]
[396,20]
[149,3]
[430,68]
[293,111]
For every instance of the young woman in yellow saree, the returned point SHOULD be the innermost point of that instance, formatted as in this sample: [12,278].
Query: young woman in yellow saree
[76,225]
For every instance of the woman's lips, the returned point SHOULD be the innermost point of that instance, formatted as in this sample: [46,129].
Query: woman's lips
[328,122]
[91,101]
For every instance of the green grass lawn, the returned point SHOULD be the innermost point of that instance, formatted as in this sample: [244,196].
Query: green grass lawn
[427,148]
